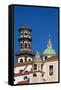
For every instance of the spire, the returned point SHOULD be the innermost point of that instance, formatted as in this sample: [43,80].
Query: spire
[49,45]
[37,55]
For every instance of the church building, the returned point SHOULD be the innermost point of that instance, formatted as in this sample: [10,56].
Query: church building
[32,67]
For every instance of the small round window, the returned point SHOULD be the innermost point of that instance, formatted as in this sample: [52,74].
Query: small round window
[45,57]
[25,34]
[29,59]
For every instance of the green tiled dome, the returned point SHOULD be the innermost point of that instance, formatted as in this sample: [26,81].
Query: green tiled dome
[49,51]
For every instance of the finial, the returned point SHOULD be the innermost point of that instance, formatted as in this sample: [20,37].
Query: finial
[49,45]
[24,26]
[37,54]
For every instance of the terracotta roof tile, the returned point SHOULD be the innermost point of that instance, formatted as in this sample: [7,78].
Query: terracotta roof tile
[22,64]
[53,58]
[20,74]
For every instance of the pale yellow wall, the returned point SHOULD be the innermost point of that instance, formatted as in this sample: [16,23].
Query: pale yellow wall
[39,78]
[36,79]
[17,69]
[54,77]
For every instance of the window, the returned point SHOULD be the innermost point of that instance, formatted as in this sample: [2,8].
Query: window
[29,46]
[29,34]
[42,74]
[34,75]
[21,45]
[26,71]
[25,34]
[25,78]
[25,45]
[41,66]
[21,60]
[35,66]
[45,57]
[22,33]
[51,70]
[21,71]
[29,59]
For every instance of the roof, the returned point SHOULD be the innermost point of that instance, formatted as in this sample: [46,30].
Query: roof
[37,58]
[25,52]
[22,64]
[25,38]
[49,51]
[27,73]
[25,27]
[52,58]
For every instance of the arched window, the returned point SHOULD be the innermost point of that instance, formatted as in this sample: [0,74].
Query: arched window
[21,60]
[51,70]
[25,45]
[29,45]
[35,66]
[42,67]
[21,45]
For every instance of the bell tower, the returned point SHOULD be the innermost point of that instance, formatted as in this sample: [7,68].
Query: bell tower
[25,53]
[25,38]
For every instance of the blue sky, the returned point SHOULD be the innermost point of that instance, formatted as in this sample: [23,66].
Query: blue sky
[43,21]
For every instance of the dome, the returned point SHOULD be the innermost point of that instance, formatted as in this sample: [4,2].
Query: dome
[37,57]
[49,50]
[25,27]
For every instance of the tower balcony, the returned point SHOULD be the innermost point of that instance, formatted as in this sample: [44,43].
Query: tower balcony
[23,36]
[25,39]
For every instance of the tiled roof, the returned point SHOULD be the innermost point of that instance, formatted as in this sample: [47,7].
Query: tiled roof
[52,58]
[22,64]
[25,27]
[29,72]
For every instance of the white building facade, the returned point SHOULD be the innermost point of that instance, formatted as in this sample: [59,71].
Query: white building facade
[34,68]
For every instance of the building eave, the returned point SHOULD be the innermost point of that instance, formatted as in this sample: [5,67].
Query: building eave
[25,52]
[21,74]
[22,64]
